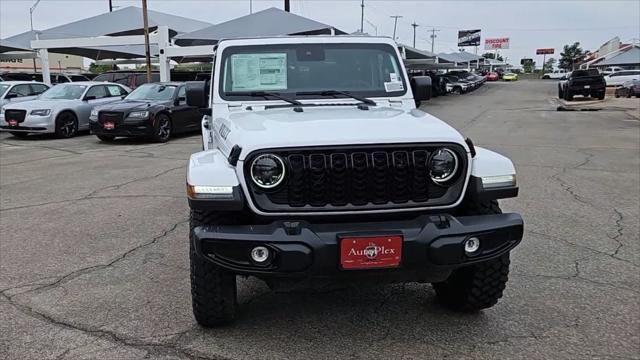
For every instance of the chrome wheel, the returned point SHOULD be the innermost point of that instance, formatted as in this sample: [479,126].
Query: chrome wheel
[164,128]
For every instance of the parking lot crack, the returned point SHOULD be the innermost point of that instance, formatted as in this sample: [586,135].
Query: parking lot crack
[568,187]
[619,229]
[42,147]
[89,269]
[118,186]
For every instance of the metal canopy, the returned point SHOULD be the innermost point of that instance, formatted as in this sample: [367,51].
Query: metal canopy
[459,57]
[125,21]
[269,22]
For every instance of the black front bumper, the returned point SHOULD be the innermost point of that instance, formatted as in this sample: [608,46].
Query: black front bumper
[142,128]
[430,244]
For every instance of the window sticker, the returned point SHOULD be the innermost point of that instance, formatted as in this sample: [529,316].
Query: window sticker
[255,72]
[392,86]
[393,77]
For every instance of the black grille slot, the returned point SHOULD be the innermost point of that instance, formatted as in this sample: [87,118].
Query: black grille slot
[111,116]
[358,178]
[15,115]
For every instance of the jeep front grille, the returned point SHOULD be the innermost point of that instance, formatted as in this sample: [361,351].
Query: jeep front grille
[357,178]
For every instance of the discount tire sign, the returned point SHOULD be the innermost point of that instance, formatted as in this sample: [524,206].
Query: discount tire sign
[496,43]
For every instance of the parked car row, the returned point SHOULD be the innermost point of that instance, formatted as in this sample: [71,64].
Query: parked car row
[107,109]
[455,81]
[628,89]
[55,78]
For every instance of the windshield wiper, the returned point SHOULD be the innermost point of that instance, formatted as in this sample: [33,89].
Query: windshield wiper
[338,92]
[264,94]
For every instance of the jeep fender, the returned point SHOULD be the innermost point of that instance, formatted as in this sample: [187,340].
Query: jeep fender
[492,176]
[212,183]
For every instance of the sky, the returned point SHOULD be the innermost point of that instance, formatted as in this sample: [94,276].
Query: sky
[528,24]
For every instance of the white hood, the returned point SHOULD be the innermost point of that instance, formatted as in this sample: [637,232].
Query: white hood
[324,125]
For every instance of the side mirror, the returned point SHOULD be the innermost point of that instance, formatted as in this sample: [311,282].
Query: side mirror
[197,94]
[87,98]
[421,88]
[180,100]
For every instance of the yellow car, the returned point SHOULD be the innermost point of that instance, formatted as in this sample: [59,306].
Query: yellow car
[510,77]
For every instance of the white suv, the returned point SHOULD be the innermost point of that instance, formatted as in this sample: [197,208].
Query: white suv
[318,166]
[556,74]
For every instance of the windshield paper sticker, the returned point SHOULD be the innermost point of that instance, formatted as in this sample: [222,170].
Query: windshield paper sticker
[392,86]
[256,72]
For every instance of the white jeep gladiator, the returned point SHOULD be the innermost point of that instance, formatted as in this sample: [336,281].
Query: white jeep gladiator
[317,166]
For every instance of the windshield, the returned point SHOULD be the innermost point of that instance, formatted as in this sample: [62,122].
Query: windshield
[64,92]
[308,70]
[152,92]
[3,88]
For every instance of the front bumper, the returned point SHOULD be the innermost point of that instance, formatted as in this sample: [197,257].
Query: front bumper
[34,124]
[142,128]
[430,244]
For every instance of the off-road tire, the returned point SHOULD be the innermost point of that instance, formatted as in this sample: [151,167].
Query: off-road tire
[213,289]
[20,135]
[106,138]
[479,286]
[568,95]
[600,96]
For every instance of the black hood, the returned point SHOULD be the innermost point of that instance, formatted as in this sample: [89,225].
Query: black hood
[135,105]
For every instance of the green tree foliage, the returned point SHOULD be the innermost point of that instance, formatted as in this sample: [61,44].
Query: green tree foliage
[570,56]
[548,65]
[490,55]
[97,69]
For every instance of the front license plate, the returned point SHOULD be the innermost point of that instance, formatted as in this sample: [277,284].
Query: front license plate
[108,126]
[13,123]
[370,252]
[587,86]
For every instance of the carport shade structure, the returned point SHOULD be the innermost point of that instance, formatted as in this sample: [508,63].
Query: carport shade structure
[269,22]
[125,21]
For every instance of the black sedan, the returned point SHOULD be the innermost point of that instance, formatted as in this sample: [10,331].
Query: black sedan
[628,89]
[155,111]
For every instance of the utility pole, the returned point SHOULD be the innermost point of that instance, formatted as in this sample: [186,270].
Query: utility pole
[250,6]
[362,16]
[31,10]
[395,24]
[433,38]
[414,33]
[287,6]
[110,6]
[147,51]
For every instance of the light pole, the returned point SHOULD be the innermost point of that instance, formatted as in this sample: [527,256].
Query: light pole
[31,10]
[362,17]
[395,24]
[147,51]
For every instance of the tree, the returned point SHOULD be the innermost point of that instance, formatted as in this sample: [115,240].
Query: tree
[528,67]
[570,56]
[490,55]
[97,69]
[548,65]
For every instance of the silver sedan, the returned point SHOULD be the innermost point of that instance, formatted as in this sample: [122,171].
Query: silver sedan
[64,109]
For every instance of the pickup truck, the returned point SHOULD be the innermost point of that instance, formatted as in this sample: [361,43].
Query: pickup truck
[582,82]
[318,167]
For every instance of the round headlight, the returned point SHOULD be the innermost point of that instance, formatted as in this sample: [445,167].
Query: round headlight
[267,171]
[443,165]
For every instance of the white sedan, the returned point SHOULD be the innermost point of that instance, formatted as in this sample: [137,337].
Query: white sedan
[64,109]
[620,77]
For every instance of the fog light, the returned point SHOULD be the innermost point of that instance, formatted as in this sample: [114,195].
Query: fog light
[260,254]
[471,245]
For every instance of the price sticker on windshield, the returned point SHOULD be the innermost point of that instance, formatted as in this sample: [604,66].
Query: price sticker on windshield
[392,86]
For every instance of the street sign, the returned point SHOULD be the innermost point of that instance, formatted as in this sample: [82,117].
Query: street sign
[469,37]
[496,43]
[545,51]
[526,61]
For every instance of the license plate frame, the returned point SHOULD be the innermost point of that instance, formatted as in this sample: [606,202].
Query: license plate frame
[363,252]
[108,125]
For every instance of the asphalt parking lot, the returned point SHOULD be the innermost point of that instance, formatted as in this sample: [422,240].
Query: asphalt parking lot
[94,252]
